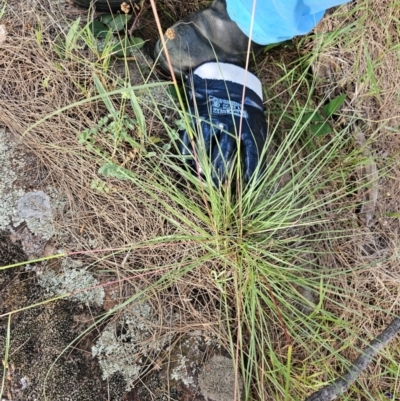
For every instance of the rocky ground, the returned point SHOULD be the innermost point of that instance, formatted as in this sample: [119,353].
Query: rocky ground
[58,350]
[106,363]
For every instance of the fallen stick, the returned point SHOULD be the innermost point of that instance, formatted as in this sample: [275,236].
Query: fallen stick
[340,385]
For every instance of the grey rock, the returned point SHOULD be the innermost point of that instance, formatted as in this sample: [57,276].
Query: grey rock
[35,204]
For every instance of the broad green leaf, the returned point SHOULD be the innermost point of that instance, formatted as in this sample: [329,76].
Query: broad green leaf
[118,22]
[137,42]
[121,49]
[321,129]
[98,29]
[125,47]
[312,116]
[106,18]
[334,105]
[172,91]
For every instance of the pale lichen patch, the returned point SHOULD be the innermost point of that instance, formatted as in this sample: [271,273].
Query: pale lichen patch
[73,279]
[128,346]
[9,195]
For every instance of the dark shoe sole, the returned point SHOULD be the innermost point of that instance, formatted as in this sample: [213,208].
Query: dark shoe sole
[104,5]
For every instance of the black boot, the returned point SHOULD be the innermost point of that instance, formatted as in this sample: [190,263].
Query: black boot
[105,5]
[206,35]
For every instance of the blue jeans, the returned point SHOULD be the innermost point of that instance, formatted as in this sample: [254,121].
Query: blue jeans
[278,20]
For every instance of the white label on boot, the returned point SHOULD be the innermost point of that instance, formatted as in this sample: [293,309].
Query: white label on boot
[226,107]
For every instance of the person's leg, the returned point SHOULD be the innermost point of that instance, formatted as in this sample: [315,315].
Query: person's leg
[206,35]
[225,100]
[273,21]
[222,31]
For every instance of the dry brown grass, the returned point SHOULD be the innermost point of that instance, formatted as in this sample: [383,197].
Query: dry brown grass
[363,62]
[35,83]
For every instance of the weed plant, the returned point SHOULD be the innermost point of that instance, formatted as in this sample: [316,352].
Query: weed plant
[261,247]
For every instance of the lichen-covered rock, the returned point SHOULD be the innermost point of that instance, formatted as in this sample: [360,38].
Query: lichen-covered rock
[35,204]
[197,369]
[10,252]
[28,214]
[9,193]
[217,380]
[73,279]
[34,207]
[42,365]
[127,346]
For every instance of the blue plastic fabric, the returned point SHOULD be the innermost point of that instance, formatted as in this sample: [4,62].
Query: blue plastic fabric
[278,20]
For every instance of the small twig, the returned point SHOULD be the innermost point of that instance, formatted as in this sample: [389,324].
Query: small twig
[340,385]
[136,21]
